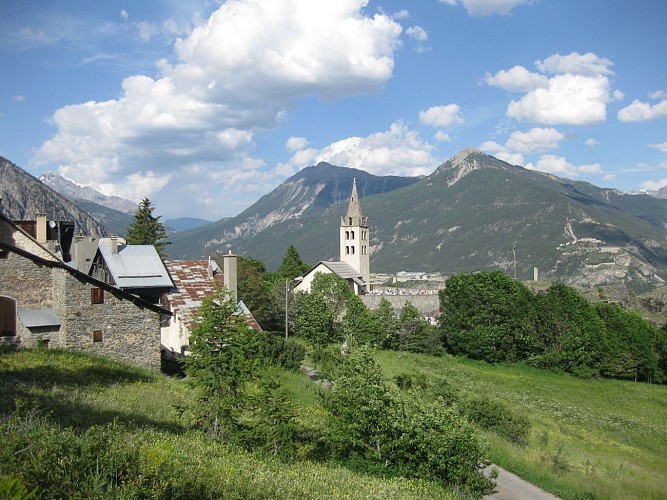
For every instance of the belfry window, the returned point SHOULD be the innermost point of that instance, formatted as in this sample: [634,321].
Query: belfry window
[347,250]
[352,250]
[352,233]
[347,235]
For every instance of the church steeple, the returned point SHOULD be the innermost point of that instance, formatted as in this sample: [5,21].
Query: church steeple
[355,237]
[354,212]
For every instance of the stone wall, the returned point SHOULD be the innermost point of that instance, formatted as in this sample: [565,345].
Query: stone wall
[428,305]
[126,331]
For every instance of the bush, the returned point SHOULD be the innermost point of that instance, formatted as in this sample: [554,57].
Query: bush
[283,353]
[498,418]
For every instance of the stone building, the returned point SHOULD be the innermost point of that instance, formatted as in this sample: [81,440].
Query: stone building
[45,300]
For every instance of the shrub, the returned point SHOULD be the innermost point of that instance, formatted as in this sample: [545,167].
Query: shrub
[499,418]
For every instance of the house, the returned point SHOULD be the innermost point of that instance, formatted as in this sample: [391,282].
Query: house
[137,269]
[354,250]
[44,300]
[193,280]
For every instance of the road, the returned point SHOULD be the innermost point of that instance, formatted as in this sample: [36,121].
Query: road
[511,487]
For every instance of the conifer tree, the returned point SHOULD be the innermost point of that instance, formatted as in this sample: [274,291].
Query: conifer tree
[146,229]
[292,265]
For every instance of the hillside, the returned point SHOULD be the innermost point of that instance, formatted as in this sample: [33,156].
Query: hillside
[589,439]
[473,213]
[290,214]
[24,196]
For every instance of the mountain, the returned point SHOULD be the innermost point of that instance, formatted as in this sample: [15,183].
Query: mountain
[287,215]
[474,212]
[75,192]
[24,196]
[114,221]
[184,223]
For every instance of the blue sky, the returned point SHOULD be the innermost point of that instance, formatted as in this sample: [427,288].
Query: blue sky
[205,106]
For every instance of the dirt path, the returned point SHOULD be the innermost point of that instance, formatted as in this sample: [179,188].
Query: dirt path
[511,487]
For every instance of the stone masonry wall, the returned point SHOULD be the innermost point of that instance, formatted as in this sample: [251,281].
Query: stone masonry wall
[28,283]
[428,305]
[128,332]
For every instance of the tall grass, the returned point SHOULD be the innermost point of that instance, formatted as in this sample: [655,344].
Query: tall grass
[73,425]
[589,438]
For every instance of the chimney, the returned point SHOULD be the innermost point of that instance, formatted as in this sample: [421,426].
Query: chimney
[114,244]
[78,251]
[210,268]
[41,228]
[229,270]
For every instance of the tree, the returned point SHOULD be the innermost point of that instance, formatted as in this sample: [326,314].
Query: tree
[415,334]
[572,337]
[630,351]
[360,324]
[387,324]
[292,265]
[487,316]
[147,229]
[223,358]
[263,296]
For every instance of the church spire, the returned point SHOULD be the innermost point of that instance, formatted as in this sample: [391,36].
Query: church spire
[354,215]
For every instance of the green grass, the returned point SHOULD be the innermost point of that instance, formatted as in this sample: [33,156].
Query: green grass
[601,438]
[84,422]
[589,439]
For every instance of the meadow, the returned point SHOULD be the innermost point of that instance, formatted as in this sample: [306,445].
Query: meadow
[72,423]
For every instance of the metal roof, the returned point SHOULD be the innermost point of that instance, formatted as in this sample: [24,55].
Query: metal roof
[343,269]
[136,266]
[32,318]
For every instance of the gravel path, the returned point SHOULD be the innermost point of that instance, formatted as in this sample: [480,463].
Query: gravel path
[511,487]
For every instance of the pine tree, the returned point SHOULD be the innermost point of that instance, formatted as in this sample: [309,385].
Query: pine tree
[292,265]
[147,229]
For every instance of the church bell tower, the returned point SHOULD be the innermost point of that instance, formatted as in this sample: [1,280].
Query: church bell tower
[355,238]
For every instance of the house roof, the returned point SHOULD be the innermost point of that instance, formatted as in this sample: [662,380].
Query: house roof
[54,262]
[192,282]
[344,270]
[32,318]
[136,266]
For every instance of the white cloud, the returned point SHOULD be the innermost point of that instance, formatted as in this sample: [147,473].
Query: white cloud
[512,158]
[570,99]
[642,111]
[591,142]
[398,151]
[516,79]
[609,177]
[240,70]
[587,64]
[441,116]
[124,14]
[441,136]
[577,94]
[661,147]
[417,32]
[536,139]
[658,94]
[296,143]
[18,98]
[654,185]
[487,7]
[560,166]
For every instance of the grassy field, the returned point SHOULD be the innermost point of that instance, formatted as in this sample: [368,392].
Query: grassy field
[588,439]
[84,422]
[602,438]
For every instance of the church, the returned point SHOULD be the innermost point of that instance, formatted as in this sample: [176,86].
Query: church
[354,250]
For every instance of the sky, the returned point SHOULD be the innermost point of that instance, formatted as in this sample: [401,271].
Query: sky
[205,106]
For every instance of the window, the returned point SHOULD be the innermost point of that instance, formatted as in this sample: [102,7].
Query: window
[349,219]
[4,254]
[347,235]
[352,233]
[98,336]
[352,250]
[97,296]
[347,250]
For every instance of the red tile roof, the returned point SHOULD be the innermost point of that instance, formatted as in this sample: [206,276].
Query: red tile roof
[192,282]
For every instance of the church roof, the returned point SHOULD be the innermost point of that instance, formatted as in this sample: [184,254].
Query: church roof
[344,270]
[354,206]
